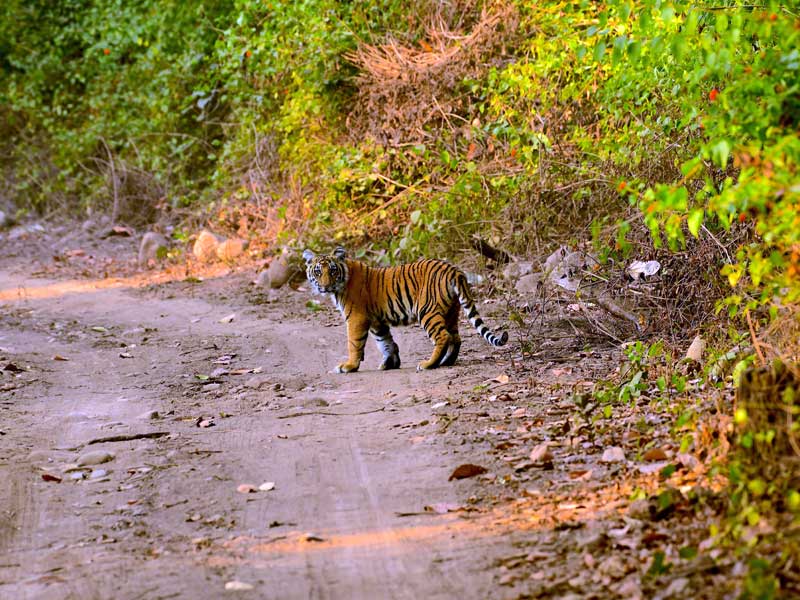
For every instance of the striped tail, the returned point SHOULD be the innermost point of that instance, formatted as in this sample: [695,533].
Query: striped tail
[468,306]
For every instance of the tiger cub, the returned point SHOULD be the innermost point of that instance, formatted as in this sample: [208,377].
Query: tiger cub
[371,299]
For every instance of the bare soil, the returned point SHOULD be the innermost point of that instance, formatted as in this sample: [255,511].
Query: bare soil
[196,388]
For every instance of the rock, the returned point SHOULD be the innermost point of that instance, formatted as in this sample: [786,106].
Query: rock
[688,461]
[696,349]
[258,381]
[267,486]
[150,415]
[528,284]
[23,231]
[631,588]
[676,588]
[277,274]
[231,249]
[613,566]
[152,247]
[205,246]
[246,488]
[97,473]
[613,454]
[96,457]
[238,586]
[517,269]
[639,509]
[6,220]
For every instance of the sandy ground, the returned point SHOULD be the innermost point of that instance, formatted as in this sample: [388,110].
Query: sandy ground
[142,410]
[360,472]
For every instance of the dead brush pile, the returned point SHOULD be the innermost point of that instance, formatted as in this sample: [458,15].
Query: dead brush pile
[411,95]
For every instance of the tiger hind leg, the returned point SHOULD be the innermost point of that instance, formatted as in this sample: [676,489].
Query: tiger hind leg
[453,348]
[441,338]
[387,346]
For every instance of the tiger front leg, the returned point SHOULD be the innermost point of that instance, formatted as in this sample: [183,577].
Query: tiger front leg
[357,332]
[387,346]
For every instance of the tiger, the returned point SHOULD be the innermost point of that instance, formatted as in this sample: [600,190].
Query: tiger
[372,299]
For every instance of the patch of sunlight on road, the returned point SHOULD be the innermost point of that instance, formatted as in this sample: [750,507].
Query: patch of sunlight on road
[12,290]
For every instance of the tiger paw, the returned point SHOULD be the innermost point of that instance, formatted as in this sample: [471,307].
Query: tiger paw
[347,368]
[393,362]
[425,365]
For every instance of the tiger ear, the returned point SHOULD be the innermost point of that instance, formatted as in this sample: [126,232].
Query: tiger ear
[308,255]
[340,252]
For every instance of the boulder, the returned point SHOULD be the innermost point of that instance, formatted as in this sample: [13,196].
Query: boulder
[152,247]
[231,249]
[205,246]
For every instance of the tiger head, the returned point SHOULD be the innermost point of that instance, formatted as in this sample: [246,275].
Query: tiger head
[327,273]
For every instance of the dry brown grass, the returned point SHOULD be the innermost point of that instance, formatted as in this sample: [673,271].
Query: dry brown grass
[407,94]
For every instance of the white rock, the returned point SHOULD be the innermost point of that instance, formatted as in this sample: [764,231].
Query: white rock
[613,454]
[676,588]
[517,269]
[97,457]
[696,349]
[238,586]
[528,284]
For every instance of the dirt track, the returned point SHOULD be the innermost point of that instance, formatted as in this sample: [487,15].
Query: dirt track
[355,459]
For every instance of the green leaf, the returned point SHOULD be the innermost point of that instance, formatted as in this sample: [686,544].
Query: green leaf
[599,51]
[695,220]
[720,152]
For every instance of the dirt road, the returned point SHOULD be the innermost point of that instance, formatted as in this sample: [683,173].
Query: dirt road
[233,389]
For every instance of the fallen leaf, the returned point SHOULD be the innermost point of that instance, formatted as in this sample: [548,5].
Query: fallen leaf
[581,474]
[246,488]
[13,368]
[59,357]
[99,329]
[49,477]
[466,470]
[120,230]
[502,378]
[654,454]
[541,453]
[439,405]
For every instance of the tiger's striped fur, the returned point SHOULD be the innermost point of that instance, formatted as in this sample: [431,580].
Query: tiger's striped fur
[373,299]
